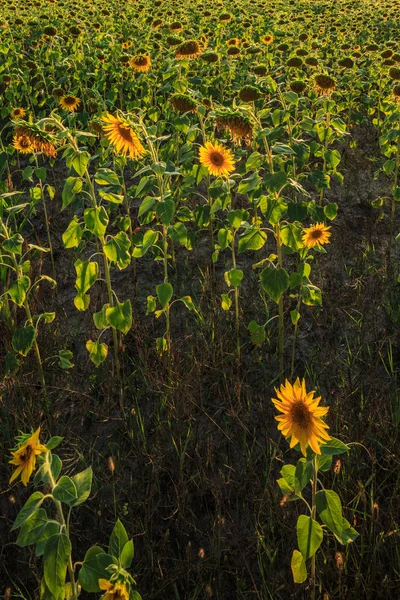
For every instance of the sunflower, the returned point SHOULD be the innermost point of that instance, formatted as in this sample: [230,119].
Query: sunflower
[183,103]
[301,418]
[218,160]
[114,591]
[23,144]
[268,39]
[324,84]
[396,93]
[249,93]
[18,113]
[237,122]
[69,102]
[316,235]
[122,136]
[190,49]
[25,457]
[140,63]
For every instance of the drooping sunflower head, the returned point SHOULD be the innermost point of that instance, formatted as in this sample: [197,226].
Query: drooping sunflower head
[24,455]
[183,103]
[50,31]
[396,93]
[209,57]
[237,122]
[176,26]
[301,416]
[295,62]
[18,113]
[260,70]
[316,235]
[189,49]
[324,84]
[298,86]
[141,63]
[39,140]
[69,102]
[249,93]
[346,63]
[225,17]
[233,52]
[173,40]
[122,136]
[394,73]
[233,42]
[218,159]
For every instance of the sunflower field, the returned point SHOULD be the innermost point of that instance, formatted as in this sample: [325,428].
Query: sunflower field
[199,300]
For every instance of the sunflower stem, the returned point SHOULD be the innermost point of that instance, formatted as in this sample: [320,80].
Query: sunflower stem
[313,515]
[280,307]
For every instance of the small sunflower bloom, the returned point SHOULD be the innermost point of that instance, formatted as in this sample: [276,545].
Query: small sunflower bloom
[114,591]
[218,160]
[25,457]
[316,235]
[301,416]
[23,144]
[141,63]
[122,136]
[18,113]
[69,102]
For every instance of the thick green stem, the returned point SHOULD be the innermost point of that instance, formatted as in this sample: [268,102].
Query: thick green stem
[280,307]
[295,335]
[313,515]
[237,323]
[327,125]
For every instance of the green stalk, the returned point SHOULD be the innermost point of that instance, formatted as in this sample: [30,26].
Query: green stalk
[237,323]
[327,125]
[46,219]
[313,515]
[280,307]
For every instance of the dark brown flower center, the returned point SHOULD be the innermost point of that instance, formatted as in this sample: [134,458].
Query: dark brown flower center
[217,159]
[300,414]
[125,133]
[70,100]
[316,234]
[26,455]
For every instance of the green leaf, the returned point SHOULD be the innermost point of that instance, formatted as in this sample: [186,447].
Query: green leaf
[32,528]
[86,275]
[257,333]
[165,211]
[64,359]
[106,177]
[111,197]
[333,447]
[329,509]
[54,442]
[56,555]
[331,210]
[73,234]
[237,217]
[349,534]
[83,484]
[118,540]
[291,236]
[309,536]
[298,567]
[120,316]
[30,506]
[142,242]
[249,184]
[324,462]
[117,250]
[226,301]
[275,181]
[65,490]
[97,351]
[52,528]
[18,290]
[11,364]
[303,474]
[94,567]
[72,186]
[127,554]
[294,316]
[22,339]
[164,293]
[96,220]
[79,161]
[13,245]
[251,239]
[100,318]
[275,281]
[233,277]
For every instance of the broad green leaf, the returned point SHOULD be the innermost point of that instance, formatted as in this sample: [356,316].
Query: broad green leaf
[309,536]
[100,318]
[333,447]
[96,220]
[30,506]
[118,540]
[349,534]
[275,181]
[97,351]
[303,474]
[117,250]
[86,275]
[257,333]
[329,509]
[331,210]
[298,567]
[165,211]
[111,197]
[18,290]
[65,490]
[13,245]
[251,239]
[83,484]
[64,359]
[226,301]
[94,567]
[127,554]
[142,242]
[52,528]
[72,187]
[32,528]
[22,339]
[120,316]
[233,277]
[291,236]
[73,234]
[79,161]
[275,281]
[54,442]
[164,293]
[56,555]
[105,176]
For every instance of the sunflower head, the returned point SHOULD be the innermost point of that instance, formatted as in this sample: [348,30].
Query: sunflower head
[346,63]
[249,93]
[122,136]
[210,57]
[300,417]
[173,40]
[295,62]
[23,144]
[233,52]
[237,122]
[298,86]
[24,455]
[218,159]
[396,93]
[141,63]
[39,140]
[189,49]
[260,70]
[183,103]
[394,73]
[117,590]
[268,39]
[324,84]
[316,235]
[69,102]
[18,113]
